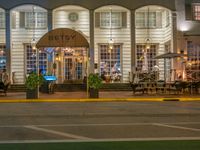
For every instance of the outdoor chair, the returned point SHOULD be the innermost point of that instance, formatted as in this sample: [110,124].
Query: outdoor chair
[160,86]
[178,87]
[4,88]
[137,87]
[193,87]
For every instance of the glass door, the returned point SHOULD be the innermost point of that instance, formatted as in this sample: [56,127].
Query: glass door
[73,68]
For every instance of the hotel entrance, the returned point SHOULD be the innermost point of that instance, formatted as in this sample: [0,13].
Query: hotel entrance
[71,65]
[67,55]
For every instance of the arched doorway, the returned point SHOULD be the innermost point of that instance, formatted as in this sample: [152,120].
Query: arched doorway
[67,54]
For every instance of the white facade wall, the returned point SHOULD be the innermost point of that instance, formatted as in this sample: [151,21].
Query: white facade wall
[121,36]
[61,19]
[157,36]
[2,32]
[19,37]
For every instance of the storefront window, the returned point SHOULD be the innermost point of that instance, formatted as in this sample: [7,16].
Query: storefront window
[151,53]
[2,57]
[31,60]
[193,62]
[110,62]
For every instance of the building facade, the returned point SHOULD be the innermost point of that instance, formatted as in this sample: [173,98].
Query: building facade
[120,37]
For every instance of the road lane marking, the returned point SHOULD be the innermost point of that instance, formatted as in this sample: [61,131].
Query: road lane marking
[102,140]
[96,124]
[176,127]
[67,135]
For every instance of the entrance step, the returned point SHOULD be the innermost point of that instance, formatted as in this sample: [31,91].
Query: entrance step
[76,87]
[116,87]
[17,88]
[82,87]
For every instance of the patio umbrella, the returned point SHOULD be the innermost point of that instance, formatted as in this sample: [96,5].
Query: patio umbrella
[168,56]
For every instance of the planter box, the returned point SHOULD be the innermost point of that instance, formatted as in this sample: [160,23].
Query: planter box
[32,94]
[94,93]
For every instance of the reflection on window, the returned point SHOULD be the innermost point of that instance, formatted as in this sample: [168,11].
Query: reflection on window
[196,12]
[2,57]
[36,19]
[110,19]
[31,58]
[110,62]
[193,61]
[2,20]
[148,19]
[151,53]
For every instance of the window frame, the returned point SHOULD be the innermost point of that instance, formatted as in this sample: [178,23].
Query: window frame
[146,22]
[107,49]
[111,25]
[3,20]
[35,24]
[138,57]
[26,60]
[196,12]
[3,55]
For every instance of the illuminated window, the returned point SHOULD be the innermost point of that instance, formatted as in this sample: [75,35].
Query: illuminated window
[31,58]
[2,20]
[196,11]
[193,60]
[35,19]
[2,57]
[110,62]
[151,53]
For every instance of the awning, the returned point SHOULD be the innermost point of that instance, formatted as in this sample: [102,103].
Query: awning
[62,37]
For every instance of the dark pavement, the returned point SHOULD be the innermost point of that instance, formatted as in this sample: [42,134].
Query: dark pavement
[89,121]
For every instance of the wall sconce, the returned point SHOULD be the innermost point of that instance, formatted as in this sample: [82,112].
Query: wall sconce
[148,45]
[57,57]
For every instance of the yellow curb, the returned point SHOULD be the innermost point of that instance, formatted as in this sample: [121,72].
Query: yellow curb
[142,99]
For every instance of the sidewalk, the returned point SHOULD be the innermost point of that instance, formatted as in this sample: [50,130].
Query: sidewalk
[103,96]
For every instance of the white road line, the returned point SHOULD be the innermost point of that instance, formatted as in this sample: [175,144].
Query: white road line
[176,127]
[95,124]
[67,135]
[103,140]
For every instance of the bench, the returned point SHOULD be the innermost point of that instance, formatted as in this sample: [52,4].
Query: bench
[4,88]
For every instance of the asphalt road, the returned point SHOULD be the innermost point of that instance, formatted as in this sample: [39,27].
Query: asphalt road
[99,121]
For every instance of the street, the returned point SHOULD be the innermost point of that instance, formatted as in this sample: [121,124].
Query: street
[99,121]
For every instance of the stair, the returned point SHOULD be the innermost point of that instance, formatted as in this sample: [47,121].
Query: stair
[76,87]
[17,88]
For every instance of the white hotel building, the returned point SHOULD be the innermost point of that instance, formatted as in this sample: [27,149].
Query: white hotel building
[127,26]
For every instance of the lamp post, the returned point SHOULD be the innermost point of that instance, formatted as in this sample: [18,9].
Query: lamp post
[110,48]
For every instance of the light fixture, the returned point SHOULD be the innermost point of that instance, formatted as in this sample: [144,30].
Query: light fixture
[33,40]
[111,41]
[147,40]
[33,43]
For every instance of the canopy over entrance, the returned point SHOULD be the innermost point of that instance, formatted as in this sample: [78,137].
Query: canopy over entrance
[62,37]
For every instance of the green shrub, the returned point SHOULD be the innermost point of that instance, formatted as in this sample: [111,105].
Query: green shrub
[33,81]
[94,81]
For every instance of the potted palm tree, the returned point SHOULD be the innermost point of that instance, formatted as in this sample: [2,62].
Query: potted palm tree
[33,81]
[94,83]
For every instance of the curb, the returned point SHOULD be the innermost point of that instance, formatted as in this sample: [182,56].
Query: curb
[99,100]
